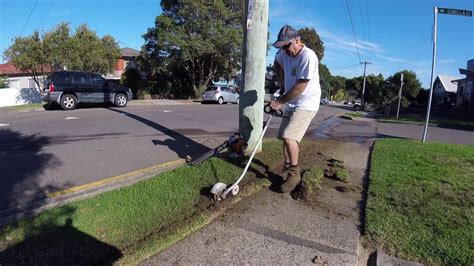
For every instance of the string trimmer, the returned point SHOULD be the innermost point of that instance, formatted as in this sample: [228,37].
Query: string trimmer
[220,190]
[236,143]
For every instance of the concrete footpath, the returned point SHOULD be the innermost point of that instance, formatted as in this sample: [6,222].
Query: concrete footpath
[273,228]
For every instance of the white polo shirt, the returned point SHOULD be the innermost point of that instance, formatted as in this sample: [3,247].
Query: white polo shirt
[302,66]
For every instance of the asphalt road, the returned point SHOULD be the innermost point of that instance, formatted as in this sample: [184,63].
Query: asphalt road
[42,152]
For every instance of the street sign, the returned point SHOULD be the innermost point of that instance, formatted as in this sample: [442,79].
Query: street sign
[458,12]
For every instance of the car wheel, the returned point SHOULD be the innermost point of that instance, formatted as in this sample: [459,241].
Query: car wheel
[237,100]
[121,100]
[68,102]
[220,100]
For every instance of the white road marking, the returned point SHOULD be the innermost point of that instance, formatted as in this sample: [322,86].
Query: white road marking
[71,118]
[166,111]
[4,125]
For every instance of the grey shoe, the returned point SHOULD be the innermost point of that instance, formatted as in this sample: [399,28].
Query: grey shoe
[293,179]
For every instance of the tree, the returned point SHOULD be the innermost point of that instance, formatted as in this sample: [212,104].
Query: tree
[193,42]
[39,54]
[311,39]
[325,80]
[130,78]
[374,89]
[338,84]
[4,83]
[354,88]
[411,87]
[92,53]
[28,55]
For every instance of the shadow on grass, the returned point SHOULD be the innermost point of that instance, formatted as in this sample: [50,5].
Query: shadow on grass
[58,242]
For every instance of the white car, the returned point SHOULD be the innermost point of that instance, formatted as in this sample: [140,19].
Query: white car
[324,101]
[220,94]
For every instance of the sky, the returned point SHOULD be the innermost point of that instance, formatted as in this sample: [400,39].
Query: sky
[392,35]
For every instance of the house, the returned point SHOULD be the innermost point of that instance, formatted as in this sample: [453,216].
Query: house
[127,60]
[465,89]
[22,88]
[17,79]
[444,91]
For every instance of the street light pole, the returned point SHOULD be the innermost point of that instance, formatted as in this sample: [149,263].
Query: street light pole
[433,65]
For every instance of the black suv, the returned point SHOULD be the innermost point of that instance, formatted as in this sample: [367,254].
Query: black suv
[68,88]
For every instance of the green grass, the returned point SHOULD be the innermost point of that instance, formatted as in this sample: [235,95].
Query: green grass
[420,120]
[342,175]
[163,209]
[352,115]
[420,202]
[313,179]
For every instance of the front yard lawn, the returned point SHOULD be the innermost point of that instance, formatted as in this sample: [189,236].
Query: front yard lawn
[420,202]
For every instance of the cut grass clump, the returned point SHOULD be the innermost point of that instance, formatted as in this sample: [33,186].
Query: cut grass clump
[420,201]
[312,179]
[336,170]
[342,175]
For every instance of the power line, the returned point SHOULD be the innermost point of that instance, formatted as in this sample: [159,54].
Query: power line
[28,18]
[344,67]
[368,23]
[45,14]
[353,30]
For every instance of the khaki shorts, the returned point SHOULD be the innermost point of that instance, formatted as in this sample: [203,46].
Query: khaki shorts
[294,127]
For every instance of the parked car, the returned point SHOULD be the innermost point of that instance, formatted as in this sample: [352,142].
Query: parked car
[324,101]
[357,104]
[220,94]
[68,88]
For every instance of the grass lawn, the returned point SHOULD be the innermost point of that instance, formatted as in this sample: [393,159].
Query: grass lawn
[135,221]
[420,202]
[420,120]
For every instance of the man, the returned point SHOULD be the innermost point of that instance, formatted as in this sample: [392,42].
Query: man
[296,67]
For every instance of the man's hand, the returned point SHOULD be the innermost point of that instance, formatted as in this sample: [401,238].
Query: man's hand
[276,104]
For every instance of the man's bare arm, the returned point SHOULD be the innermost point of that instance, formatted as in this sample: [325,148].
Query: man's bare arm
[297,90]
[280,76]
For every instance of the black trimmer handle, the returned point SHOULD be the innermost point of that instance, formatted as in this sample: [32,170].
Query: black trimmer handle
[269,110]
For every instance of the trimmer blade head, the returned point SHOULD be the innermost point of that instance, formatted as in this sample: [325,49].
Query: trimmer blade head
[217,190]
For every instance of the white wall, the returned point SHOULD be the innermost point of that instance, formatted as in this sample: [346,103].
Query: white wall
[15,96]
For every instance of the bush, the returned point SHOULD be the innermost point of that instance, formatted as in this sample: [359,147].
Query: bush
[4,83]
[131,78]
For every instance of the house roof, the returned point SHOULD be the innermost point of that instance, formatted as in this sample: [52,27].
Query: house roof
[8,69]
[447,82]
[129,52]
[469,70]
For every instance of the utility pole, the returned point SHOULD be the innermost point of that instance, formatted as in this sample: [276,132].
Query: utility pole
[400,95]
[253,70]
[362,102]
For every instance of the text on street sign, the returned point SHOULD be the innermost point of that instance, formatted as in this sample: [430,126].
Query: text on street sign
[458,12]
